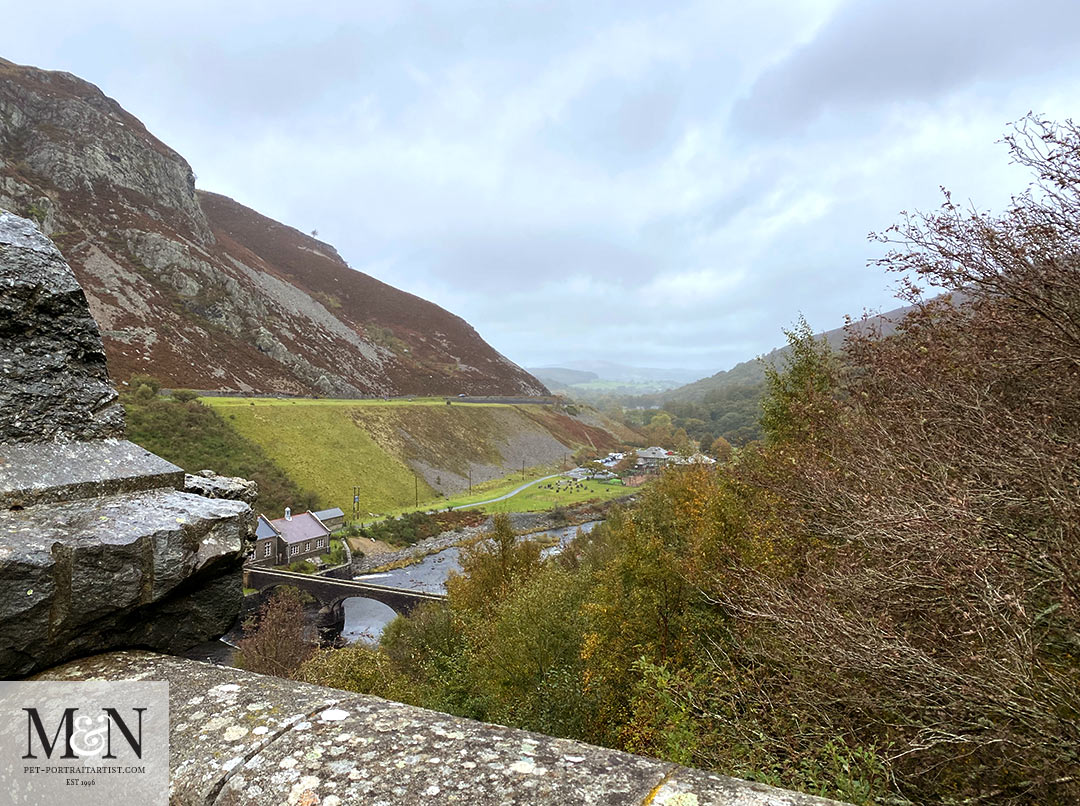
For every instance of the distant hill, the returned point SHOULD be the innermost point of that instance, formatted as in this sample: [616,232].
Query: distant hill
[625,373]
[203,292]
[728,404]
[594,380]
[753,370]
[561,377]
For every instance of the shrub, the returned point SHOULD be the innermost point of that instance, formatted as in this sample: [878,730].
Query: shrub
[273,642]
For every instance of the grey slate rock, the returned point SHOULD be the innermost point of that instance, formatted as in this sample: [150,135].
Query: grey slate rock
[159,569]
[210,484]
[100,547]
[53,378]
[36,473]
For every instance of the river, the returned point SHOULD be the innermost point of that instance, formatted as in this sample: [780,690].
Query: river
[365,619]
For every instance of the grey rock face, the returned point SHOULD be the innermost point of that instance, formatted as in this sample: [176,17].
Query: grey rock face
[209,484]
[98,573]
[99,547]
[82,159]
[36,473]
[53,379]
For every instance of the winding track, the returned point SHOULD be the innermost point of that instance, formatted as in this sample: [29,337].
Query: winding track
[508,495]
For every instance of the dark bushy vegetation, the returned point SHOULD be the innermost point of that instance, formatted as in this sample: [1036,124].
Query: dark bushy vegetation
[193,436]
[274,641]
[879,602]
[336,555]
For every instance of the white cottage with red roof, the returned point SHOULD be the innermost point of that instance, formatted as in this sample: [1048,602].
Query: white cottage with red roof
[285,540]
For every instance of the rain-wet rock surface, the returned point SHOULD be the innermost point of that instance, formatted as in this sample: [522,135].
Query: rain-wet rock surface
[35,473]
[53,379]
[209,484]
[239,738]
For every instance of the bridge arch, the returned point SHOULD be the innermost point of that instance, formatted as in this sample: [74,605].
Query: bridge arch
[370,617]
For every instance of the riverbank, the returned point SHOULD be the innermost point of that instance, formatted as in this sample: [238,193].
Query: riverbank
[525,523]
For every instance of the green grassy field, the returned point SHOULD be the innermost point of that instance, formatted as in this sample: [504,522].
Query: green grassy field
[320,402]
[197,437]
[323,448]
[535,499]
[485,491]
[328,446]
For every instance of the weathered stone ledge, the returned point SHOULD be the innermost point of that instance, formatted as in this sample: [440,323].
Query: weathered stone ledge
[239,739]
[37,473]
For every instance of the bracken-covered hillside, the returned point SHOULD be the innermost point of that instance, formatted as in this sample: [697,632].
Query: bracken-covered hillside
[202,292]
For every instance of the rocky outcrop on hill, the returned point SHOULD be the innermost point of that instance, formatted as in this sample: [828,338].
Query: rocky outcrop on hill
[101,544]
[203,292]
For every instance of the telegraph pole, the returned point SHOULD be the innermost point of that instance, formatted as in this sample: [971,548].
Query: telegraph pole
[416,487]
[523,470]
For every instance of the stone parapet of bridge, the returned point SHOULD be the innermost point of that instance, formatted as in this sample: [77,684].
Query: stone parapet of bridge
[242,739]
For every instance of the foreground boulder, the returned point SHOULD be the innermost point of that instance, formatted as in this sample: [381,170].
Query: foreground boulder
[101,543]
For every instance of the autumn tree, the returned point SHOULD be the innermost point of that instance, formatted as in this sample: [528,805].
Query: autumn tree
[273,642]
[721,449]
[493,567]
[936,494]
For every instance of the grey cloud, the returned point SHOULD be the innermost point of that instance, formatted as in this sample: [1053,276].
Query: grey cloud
[503,260]
[874,53]
[618,123]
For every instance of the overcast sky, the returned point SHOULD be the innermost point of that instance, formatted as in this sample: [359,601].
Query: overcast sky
[661,184]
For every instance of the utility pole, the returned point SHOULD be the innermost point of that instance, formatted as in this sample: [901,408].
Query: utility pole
[416,487]
[523,470]
[470,479]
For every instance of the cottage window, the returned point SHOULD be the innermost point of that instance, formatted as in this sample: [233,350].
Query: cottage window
[267,549]
[318,543]
[307,546]
[294,550]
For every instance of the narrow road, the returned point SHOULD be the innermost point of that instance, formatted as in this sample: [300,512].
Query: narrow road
[509,494]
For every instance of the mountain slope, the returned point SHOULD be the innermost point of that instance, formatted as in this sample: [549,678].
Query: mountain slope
[752,372]
[203,292]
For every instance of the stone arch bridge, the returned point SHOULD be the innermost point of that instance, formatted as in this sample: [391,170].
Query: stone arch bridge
[331,592]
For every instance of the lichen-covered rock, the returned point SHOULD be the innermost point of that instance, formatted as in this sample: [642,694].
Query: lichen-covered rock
[53,379]
[244,739]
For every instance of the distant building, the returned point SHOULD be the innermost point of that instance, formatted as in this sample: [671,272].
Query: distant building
[333,519]
[288,539]
[653,457]
[696,459]
[612,459]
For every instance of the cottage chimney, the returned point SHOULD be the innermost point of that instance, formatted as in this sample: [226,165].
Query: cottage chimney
[288,514]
